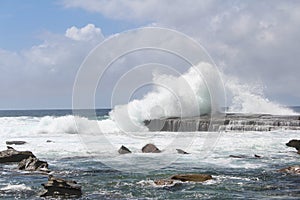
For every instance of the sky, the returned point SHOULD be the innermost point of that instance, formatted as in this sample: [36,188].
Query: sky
[43,43]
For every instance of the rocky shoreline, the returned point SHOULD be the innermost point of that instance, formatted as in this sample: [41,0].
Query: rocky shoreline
[56,187]
[226,122]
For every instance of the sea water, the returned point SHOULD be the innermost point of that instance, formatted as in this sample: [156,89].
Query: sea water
[70,157]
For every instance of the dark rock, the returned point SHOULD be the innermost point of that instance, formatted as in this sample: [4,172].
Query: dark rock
[49,141]
[244,156]
[124,150]
[225,122]
[150,148]
[33,164]
[294,143]
[192,177]
[12,155]
[237,156]
[291,170]
[56,187]
[15,142]
[180,151]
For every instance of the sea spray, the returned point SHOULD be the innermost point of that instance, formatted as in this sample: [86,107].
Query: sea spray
[183,96]
[247,98]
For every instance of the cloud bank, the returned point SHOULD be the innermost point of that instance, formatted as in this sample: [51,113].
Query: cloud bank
[253,40]
[43,76]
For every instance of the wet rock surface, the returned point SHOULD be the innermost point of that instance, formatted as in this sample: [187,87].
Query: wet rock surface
[17,142]
[226,122]
[191,177]
[33,164]
[183,178]
[11,155]
[291,169]
[124,150]
[180,151]
[150,148]
[295,144]
[57,187]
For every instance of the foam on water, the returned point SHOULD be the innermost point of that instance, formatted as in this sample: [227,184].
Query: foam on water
[12,188]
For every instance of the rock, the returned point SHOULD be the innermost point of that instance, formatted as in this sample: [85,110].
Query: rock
[192,177]
[15,142]
[295,144]
[257,156]
[164,182]
[49,141]
[180,151]
[124,150]
[150,148]
[291,170]
[33,164]
[245,156]
[237,156]
[12,155]
[56,187]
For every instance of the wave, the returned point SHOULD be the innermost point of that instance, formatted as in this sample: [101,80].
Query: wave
[183,96]
[172,96]
[14,188]
[247,98]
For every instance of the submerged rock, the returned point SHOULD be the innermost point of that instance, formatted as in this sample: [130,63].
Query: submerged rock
[180,151]
[33,164]
[150,148]
[176,179]
[15,142]
[192,177]
[124,150]
[12,155]
[56,187]
[237,156]
[295,144]
[291,170]
[245,156]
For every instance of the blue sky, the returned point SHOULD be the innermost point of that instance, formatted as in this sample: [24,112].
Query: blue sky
[22,23]
[43,43]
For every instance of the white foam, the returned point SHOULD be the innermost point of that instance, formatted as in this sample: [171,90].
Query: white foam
[186,95]
[247,98]
[20,187]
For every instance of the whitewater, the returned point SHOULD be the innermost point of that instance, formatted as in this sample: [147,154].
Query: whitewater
[86,149]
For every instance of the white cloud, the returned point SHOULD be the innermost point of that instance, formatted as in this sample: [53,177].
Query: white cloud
[43,75]
[254,40]
[86,33]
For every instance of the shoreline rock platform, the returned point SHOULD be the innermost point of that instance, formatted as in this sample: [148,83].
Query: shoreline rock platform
[226,122]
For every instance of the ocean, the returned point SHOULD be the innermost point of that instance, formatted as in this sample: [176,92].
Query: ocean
[105,174]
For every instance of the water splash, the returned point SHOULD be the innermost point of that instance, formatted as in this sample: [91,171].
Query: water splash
[247,98]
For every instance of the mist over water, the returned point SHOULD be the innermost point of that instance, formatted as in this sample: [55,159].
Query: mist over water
[247,98]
